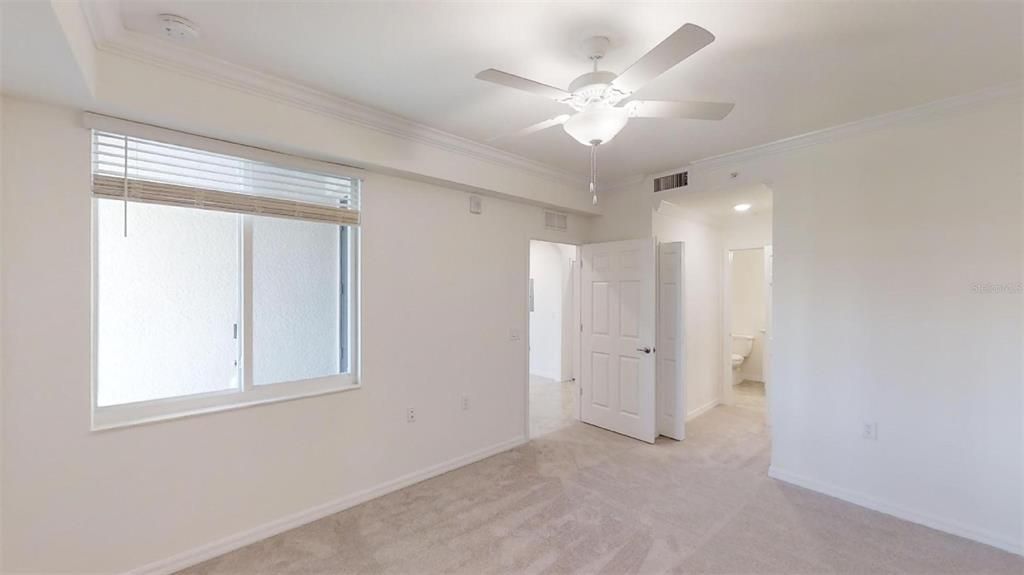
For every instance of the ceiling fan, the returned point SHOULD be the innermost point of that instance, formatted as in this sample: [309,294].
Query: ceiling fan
[603,101]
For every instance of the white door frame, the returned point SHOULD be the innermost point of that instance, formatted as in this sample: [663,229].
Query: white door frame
[575,332]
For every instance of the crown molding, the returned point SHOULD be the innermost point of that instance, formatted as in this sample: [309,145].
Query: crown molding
[838,132]
[622,184]
[110,36]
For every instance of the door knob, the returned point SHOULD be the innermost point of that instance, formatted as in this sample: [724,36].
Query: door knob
[644,349]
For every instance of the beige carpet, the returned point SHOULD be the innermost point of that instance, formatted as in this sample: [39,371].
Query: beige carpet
[584,500]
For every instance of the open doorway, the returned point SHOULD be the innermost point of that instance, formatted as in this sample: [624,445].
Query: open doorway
[554,395]
[747,302]
[718,226]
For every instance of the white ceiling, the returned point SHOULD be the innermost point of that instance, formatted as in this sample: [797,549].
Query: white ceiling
[717,206]
[790,67]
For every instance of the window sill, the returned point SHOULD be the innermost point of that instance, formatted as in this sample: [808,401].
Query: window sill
[132,414]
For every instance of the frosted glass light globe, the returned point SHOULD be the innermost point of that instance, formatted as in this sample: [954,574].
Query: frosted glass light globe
[596,125]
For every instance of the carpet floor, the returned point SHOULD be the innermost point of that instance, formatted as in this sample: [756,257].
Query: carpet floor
[584,500]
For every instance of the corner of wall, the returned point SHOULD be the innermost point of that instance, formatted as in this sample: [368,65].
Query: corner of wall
[625,213]
[72,21]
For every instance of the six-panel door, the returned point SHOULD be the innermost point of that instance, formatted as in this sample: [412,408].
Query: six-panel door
[618,307]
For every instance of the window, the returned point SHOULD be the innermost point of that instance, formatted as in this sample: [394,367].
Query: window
[219,280]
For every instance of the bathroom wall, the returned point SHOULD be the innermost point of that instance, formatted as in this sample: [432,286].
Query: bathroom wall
[748,306]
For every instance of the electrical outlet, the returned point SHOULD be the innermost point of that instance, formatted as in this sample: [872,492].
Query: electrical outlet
[465,403]
[513,334]
[869,430]
[410,415]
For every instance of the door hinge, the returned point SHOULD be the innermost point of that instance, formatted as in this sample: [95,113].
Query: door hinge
[234,331]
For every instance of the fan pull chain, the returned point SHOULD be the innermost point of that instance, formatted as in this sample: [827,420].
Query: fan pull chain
[593,171]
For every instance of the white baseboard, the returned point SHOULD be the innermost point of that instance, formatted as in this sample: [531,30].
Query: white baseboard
[230,543]
[702,410]
[864,500]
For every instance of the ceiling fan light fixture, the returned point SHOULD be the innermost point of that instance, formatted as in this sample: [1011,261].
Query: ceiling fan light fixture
[596,125]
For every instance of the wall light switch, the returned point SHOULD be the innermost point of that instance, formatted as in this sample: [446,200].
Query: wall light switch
[476,205]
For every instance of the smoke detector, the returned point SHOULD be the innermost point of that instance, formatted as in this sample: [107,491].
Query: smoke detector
[177,28]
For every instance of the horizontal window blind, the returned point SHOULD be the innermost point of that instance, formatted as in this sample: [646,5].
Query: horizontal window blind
[139,170]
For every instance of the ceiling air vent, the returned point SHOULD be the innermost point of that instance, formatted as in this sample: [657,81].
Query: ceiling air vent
[671,181]
[556,221]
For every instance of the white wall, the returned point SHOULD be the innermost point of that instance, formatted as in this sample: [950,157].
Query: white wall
[702,306]
[552,317]
[626,214]
[165,96]
[748,306]
[882,238]
[751,230]
[3,396]
[81,501]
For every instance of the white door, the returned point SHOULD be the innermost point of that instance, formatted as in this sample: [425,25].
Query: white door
[618,307]
[671,370]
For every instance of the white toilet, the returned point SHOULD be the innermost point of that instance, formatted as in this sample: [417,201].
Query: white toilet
[741,348]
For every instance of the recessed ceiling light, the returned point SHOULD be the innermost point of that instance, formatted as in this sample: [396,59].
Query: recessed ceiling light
[741,207]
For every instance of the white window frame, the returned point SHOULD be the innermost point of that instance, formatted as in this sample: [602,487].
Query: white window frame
[248,394]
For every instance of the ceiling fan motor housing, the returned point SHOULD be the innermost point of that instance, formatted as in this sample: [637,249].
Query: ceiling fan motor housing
[599,79]
[594,87]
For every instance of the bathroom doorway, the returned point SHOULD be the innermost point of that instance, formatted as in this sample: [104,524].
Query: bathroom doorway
[747,323]
[554,395]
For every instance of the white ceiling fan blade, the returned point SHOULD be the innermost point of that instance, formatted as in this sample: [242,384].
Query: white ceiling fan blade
[556,121]
[679,46]
[520,83]
[689,110]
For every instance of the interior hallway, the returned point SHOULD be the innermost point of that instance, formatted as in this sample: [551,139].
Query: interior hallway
[750,395]
[584,500]
[552,405]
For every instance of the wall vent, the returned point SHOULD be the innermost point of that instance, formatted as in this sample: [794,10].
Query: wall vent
[556,221]
[671,181]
